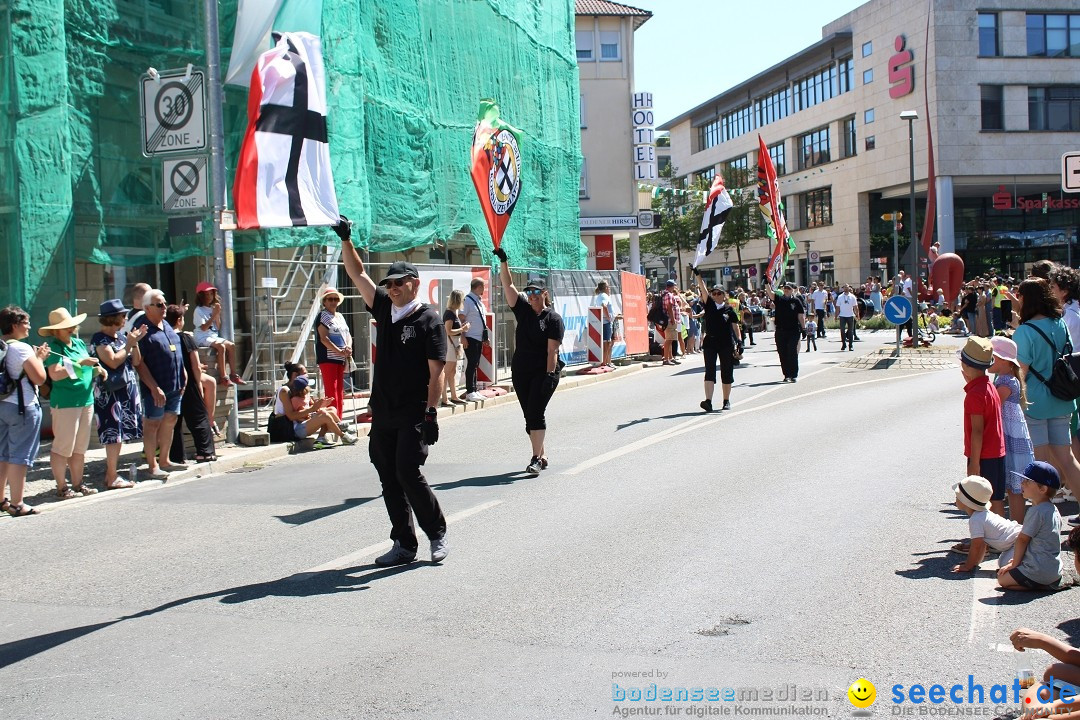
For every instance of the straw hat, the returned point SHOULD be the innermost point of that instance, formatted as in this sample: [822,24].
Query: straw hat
[60,319]
[974,491]
[331,292]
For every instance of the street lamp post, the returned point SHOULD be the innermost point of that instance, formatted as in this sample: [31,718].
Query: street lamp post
[911,116]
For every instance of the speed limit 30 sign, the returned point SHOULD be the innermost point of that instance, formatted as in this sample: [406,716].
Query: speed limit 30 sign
[173,112]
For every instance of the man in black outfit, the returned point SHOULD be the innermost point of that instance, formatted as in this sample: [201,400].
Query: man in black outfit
[790,319]
[410,346]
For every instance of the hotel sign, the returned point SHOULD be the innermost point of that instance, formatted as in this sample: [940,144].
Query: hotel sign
[644,137]
[646,219]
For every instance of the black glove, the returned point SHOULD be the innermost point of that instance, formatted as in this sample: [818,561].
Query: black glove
[695,271]
[551,381]
[343,229]
[429,429]
[501,254]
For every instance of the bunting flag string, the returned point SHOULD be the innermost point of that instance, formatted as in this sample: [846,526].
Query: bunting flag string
[656,191]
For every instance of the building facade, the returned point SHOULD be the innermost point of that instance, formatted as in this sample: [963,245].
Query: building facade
[997,84]
[608,195]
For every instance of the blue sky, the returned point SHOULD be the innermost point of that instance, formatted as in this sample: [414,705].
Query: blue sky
[692,50]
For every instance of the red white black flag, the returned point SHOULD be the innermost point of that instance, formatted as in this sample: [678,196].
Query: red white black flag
[716,211]
[283,177]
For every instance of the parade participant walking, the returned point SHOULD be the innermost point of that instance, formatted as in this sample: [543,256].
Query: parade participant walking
[722,331]
[846,312]
[476,337]
[409,349]
[820,300]
[536,364]
[790,319]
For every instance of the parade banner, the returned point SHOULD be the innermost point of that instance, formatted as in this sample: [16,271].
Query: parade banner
[712,222]
[496,168]
[572,295]
[283,176]
[770,206]
[635,327]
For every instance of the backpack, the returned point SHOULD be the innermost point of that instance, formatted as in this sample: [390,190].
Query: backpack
[657,315]
[1064,382]
[9,384]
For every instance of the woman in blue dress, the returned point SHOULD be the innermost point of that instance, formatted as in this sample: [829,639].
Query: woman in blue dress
[117,405]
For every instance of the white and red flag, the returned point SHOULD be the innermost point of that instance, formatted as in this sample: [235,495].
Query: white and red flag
[283,177]
[717,209]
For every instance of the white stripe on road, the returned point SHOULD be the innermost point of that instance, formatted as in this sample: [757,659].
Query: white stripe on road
[706,420]
[983,614]
[354,557]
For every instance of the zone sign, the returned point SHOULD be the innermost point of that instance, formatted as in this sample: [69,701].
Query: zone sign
[173,112]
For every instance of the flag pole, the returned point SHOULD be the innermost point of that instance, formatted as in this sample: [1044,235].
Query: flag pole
[222,269]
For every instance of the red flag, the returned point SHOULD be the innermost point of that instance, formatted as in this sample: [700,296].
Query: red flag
[496,168]
[773,210]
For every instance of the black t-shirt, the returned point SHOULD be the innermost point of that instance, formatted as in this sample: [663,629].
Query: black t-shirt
[719,319]
[402,350]
[451,316]
[531,340]
[971,302]
[187,344]
[788,310]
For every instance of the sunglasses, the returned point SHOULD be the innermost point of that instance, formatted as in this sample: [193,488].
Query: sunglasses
[398,282]
[158,305]
[716,293]
[534,291]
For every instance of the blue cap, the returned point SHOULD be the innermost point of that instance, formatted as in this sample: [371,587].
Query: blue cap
[1042,473]
[300,382]
[111,307]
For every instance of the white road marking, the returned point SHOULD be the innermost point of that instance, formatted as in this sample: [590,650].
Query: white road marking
[354,557]
[706,420]
[983,614]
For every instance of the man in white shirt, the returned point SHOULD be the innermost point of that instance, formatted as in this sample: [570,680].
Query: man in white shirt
[475,337]
[136,310]
[847,309]
[820,298]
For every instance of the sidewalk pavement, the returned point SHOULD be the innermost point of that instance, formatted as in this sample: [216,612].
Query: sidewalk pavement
[40,486]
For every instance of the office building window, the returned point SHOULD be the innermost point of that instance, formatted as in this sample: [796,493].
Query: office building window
[867,48]
[709,135]
[849,137]
[988,35]
[707,174]
[815,88]
[868,76]
[870,142]
[814,148]
[584,41]
[779,159]
[1053,35]
[817,208]
[1054,108]
[847,74]
[736,123]
[993,103]
[609,45]
[583,182]
[773,107]
[736,173]
[581,103]
[868,116]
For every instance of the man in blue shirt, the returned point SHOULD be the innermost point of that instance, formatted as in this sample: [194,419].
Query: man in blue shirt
[163,379]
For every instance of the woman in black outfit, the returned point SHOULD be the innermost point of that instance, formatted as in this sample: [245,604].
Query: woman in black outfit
[192,404]
[536,364]
[722,331]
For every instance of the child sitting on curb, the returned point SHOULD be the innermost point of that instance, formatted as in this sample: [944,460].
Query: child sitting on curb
[988,529]
[1036,562]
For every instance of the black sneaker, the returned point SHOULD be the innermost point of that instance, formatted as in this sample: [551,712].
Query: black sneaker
[706,405]
[794,379]
[534,466]
[727,405]
[397,555]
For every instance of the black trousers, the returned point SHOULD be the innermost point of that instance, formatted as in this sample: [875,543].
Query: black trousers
[472,362]
[727,363]
[787,347]
[847,331]
[397,454]
[193,411]
[820,322]
[533,394]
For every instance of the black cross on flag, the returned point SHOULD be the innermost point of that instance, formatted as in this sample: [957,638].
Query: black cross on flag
[716,211]
[283,178]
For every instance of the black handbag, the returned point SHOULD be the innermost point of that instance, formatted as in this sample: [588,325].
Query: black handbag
[1064,382]
[114,381]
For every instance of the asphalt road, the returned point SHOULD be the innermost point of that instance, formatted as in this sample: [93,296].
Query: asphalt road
[799,538]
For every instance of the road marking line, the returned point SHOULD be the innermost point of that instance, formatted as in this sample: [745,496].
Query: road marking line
[352,558]
[983,615]
[705,421]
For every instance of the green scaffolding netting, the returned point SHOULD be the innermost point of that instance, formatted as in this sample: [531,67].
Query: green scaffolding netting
[404,78]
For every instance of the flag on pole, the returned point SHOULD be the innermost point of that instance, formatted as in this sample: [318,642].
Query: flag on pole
[496,168]
[717,206]
[773,210]
[283,176]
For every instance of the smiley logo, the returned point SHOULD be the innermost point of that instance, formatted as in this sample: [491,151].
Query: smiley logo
[862,693]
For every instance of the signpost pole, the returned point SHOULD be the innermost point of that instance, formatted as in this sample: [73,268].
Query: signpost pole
[222,269]
[895,248]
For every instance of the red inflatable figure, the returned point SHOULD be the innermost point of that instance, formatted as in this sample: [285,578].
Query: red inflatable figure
[947,273]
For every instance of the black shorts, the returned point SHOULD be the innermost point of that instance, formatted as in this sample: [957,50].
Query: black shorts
[1030,584]
[993,469]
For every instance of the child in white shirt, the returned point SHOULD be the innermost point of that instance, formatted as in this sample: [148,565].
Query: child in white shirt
[989,531]
[810,333]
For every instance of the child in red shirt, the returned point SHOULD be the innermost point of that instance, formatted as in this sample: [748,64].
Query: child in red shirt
[984,435]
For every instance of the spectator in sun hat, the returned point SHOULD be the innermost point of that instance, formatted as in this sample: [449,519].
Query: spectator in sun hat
[984,436]
[207,322]
[117,405]
[1036,562]
[333,348]
[987,529]
[71,401]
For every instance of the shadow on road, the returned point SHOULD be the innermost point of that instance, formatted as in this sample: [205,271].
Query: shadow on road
[327,582]
[674,416]
[938,566]
[507,478]
[312,514]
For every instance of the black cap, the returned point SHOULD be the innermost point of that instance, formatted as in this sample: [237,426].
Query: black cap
[400,269]
[536,283]
[789,285]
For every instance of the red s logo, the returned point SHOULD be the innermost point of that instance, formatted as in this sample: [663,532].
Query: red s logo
[1003,200]
[902,79]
